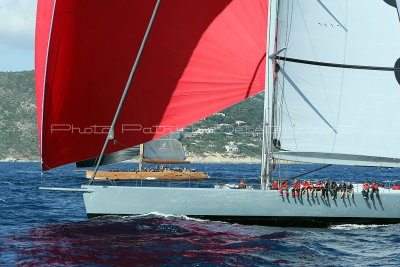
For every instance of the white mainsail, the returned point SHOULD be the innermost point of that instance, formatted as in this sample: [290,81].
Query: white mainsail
[337,97]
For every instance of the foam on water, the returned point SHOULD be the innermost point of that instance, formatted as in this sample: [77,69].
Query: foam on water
[349,227]
[147,216]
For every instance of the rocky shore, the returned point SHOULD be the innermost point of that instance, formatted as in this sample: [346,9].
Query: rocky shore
[223,158]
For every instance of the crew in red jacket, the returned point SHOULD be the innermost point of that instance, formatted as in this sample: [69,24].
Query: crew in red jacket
[365,190]
[318,187]
[310,188]
[304,188]
[275,185]
[396,186]
[374,189]
[296,188]
[284,187]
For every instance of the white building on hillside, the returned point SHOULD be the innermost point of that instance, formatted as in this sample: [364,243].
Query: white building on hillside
[204,131]
[231,147]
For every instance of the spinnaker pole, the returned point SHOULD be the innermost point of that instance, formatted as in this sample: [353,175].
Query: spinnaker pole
[266,168]
[110,135]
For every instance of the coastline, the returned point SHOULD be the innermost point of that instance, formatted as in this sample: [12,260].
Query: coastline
[211,158]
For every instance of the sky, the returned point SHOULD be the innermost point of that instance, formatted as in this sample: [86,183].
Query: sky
[17,34]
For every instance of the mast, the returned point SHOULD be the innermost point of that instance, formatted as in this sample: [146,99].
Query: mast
[110,135]
[141,157]
[266,168]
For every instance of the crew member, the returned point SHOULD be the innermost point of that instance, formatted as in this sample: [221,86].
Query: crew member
[333,190]
[325,189]
[284,187]
[365,190]
[396,186]
[304,188]
[374,189]
[318,187]
[310,189]
[342,189]
[275,185]
[349,189]
[242,185]
[296,188]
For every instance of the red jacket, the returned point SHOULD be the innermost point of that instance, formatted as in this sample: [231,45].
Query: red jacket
[396,187]
[284,185]
[296,185]
[365,186]
[275,186]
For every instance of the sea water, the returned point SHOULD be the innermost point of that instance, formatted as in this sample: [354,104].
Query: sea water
[51,228]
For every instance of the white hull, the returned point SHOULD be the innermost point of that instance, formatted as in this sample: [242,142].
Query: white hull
[247,206]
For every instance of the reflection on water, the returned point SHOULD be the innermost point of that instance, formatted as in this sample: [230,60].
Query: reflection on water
[147,240]
[157,239]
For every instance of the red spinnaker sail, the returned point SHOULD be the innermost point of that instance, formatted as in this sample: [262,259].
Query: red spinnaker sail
[201,56]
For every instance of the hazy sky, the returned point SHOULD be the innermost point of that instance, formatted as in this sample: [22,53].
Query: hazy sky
[17,34]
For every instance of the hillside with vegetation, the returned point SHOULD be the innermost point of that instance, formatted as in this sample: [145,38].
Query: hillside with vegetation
[234,132]
[18,127]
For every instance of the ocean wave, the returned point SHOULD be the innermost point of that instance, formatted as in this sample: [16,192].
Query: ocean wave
[166,216]
[149,215]
[174,216]
[6,182]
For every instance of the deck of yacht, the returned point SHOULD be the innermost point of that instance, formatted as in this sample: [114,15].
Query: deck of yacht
[251,183]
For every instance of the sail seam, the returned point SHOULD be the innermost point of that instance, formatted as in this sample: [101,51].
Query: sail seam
[335,65]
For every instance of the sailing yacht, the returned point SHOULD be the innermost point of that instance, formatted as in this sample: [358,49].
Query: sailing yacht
[330,69]
[160,152]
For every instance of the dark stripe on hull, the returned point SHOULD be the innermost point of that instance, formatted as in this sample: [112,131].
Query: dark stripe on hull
[286,221]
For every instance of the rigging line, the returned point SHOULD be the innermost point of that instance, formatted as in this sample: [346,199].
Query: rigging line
[44,180]
[96,159]
[300,175]
[303,96]
[331,14]
[335,65]
[119,143]
[288,113]
[278,129]
[338,114]
[398,8]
